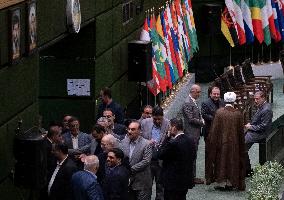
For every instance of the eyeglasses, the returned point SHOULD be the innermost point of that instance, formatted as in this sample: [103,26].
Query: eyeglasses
[74,125]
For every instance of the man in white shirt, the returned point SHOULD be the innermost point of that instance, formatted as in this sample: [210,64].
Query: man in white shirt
[193,120]
[59,186]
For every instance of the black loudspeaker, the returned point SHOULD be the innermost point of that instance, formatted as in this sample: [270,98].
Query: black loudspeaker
[211,22]
[30,156]
[139,61]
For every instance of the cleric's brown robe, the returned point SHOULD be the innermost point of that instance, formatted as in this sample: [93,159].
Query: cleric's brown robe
[226,142]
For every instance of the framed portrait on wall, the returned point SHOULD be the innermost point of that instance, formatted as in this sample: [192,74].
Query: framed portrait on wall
[15,35]
[31,41]
[73,14]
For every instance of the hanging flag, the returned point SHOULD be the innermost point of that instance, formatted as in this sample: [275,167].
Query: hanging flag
[168,47]
[228,28]
[255,9]
[184,43]
[272,27]
[234,7]
[176,41]
[162,46]
[154,85]
[156,46]
[173,53]
[247,21]
[276,22]
[190,11]
[265,22]
[144,35]
[279,5]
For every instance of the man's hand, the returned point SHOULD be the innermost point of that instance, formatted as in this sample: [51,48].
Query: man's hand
[247,126]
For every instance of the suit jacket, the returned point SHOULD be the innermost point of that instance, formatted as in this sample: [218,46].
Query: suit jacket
[208,110]
[146,128]
[86,187]
[50,158]
[261,124]
[83,142]
[147,125]
[115,183]
[115,107]
[120,130]
[178,155]
[192,119]
[61,188]
[139,162]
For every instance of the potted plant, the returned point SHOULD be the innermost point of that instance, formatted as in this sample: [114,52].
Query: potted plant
[266,181]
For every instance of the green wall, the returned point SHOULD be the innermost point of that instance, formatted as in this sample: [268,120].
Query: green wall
[37,84]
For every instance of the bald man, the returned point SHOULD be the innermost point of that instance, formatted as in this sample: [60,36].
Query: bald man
[108,142]
[84,183]
[193,120]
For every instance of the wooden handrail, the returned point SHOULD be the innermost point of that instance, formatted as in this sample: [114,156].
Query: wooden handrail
[7,3]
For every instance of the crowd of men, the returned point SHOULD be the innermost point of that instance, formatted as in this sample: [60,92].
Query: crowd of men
[120,159]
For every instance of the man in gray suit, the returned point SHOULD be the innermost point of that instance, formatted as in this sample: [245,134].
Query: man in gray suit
[260,125]
[139,152]
[155,129]
[193,120]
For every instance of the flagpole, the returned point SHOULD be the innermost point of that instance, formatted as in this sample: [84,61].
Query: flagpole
[261,62]
[251,53]
[270,56]
[230,57]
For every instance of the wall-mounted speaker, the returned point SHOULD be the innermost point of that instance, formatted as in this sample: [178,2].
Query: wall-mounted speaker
[139,61]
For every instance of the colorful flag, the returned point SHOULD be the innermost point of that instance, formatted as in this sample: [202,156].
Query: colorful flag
[276,22]
[156,46]
[265,22]
[247,21]
[279,9]
[234,7]
[190,11]
[255,9]
[272,27]
[228,28]
[174,56]
[162,45]
[168,45]
[144,35]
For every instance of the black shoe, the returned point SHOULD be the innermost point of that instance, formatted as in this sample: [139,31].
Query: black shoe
[224,189]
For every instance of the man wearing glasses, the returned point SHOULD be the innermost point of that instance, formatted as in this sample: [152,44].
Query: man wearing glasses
[139,152]
[77,141]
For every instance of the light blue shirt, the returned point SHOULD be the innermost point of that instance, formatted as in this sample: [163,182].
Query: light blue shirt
[156,133]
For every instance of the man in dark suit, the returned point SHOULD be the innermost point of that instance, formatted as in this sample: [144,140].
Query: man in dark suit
[260,125]
[155,130]
[209,107]
[84,183]
[59,186]
[115,183]
[118,129]
[193,120]
[139,152]
[53,137]
[108,102]
[178,153]
[77,141]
